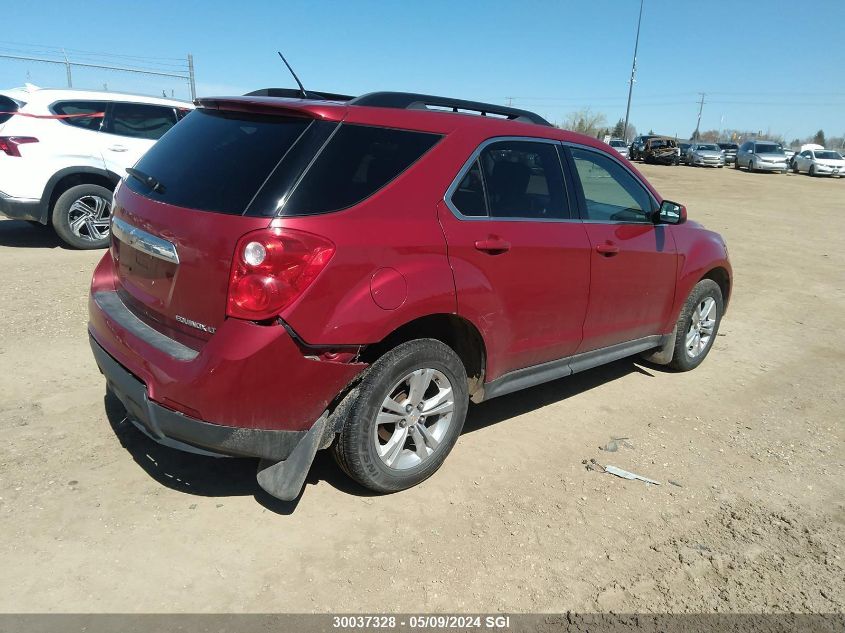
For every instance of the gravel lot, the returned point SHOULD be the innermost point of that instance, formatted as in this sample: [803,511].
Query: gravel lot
[95,517]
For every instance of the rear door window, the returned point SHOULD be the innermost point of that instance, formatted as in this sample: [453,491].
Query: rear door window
[357,162]
[611,193]
[85,114]
[140,120]
[523,179]
[8,107]
[217,161]
[469,198]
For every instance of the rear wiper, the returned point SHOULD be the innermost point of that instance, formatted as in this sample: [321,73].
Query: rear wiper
[148,180]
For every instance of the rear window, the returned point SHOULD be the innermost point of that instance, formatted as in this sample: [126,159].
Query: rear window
[8,107]
[217,161]
[358,161]
[84,114]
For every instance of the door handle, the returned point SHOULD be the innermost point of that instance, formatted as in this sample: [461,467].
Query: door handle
[608,250]
[493,245]
[118,148]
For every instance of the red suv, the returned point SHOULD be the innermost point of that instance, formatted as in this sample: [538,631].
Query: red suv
[287,275]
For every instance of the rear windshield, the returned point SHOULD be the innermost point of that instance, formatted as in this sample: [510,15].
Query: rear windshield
[728,145]
[617,143]
[7,108]
[358,161]
[217,161]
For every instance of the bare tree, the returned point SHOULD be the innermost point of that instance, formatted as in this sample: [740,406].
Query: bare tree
[585,121]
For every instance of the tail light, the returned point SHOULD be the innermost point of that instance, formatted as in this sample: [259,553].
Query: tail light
[9,144]
[273,267]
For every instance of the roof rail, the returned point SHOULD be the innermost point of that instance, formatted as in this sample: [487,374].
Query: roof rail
[411,101]
[294,93]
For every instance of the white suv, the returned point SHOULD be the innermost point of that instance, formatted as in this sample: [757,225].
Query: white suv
[63,151]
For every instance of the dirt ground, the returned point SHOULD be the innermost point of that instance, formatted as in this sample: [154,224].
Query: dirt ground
[95,517]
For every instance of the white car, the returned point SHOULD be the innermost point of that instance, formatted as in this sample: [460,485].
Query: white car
[819,162]
[619,145]
[62,152]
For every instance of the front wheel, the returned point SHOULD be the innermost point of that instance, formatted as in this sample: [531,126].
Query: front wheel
[402,420]
[812,171]
[697,325]
[81,216]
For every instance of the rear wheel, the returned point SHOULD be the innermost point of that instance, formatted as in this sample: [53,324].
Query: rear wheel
[794,167]
[81,216]
[402,420]
[697,325]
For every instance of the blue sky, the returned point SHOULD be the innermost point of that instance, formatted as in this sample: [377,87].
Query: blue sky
[777,65]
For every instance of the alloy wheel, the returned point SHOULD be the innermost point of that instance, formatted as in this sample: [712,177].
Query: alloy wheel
[414,418]
[702,324]
[88,218]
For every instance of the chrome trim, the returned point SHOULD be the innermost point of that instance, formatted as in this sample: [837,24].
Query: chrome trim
[143,241]
[447,197]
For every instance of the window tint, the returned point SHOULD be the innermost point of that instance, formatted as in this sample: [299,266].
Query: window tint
[611,193]
[524,180]
[358,161]
[217,161]
[141,120]
[95,108]
[7,108]
[469,198]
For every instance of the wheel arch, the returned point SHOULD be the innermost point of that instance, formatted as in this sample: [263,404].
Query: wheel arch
[69,177]
[455,331]
[722,277]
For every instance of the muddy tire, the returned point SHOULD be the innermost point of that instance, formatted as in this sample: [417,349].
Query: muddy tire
[398,424]
[698,325]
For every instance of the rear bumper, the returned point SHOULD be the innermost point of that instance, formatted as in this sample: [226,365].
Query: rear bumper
[184,432]
[22,208]
[246,376]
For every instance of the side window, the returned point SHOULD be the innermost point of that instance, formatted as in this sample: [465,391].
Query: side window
[469,197]
[84,114]
[141,120]
[806,153]
[358,161]
[611,193]
[523,179]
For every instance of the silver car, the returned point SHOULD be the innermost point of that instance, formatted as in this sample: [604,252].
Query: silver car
[819,162]
[761,156]
[705,155]
[619,145]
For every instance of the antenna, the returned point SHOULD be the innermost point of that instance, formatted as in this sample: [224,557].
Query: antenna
[299,83]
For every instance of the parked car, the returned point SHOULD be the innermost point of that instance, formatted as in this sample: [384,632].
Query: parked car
[63,151]
[789,155]
[705,155]
[288,275]
[661,150]
[819,162]
[730,150]
[761,156]
[682,150]
[638,146]
[619,145]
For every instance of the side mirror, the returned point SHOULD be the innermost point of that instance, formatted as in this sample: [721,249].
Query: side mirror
[671,213]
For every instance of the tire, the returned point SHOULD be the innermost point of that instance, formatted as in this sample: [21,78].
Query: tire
[81,216]
[736,164]
[751,166]
[684,359]
[794,168]
[386,380]
[812,171]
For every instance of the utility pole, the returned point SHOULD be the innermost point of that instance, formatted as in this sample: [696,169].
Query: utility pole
[633,73]
[192,77]
[67,68]
[698,123]
[510,101]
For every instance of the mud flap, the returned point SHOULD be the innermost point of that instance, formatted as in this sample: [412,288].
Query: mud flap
[284,479]
[662,355]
